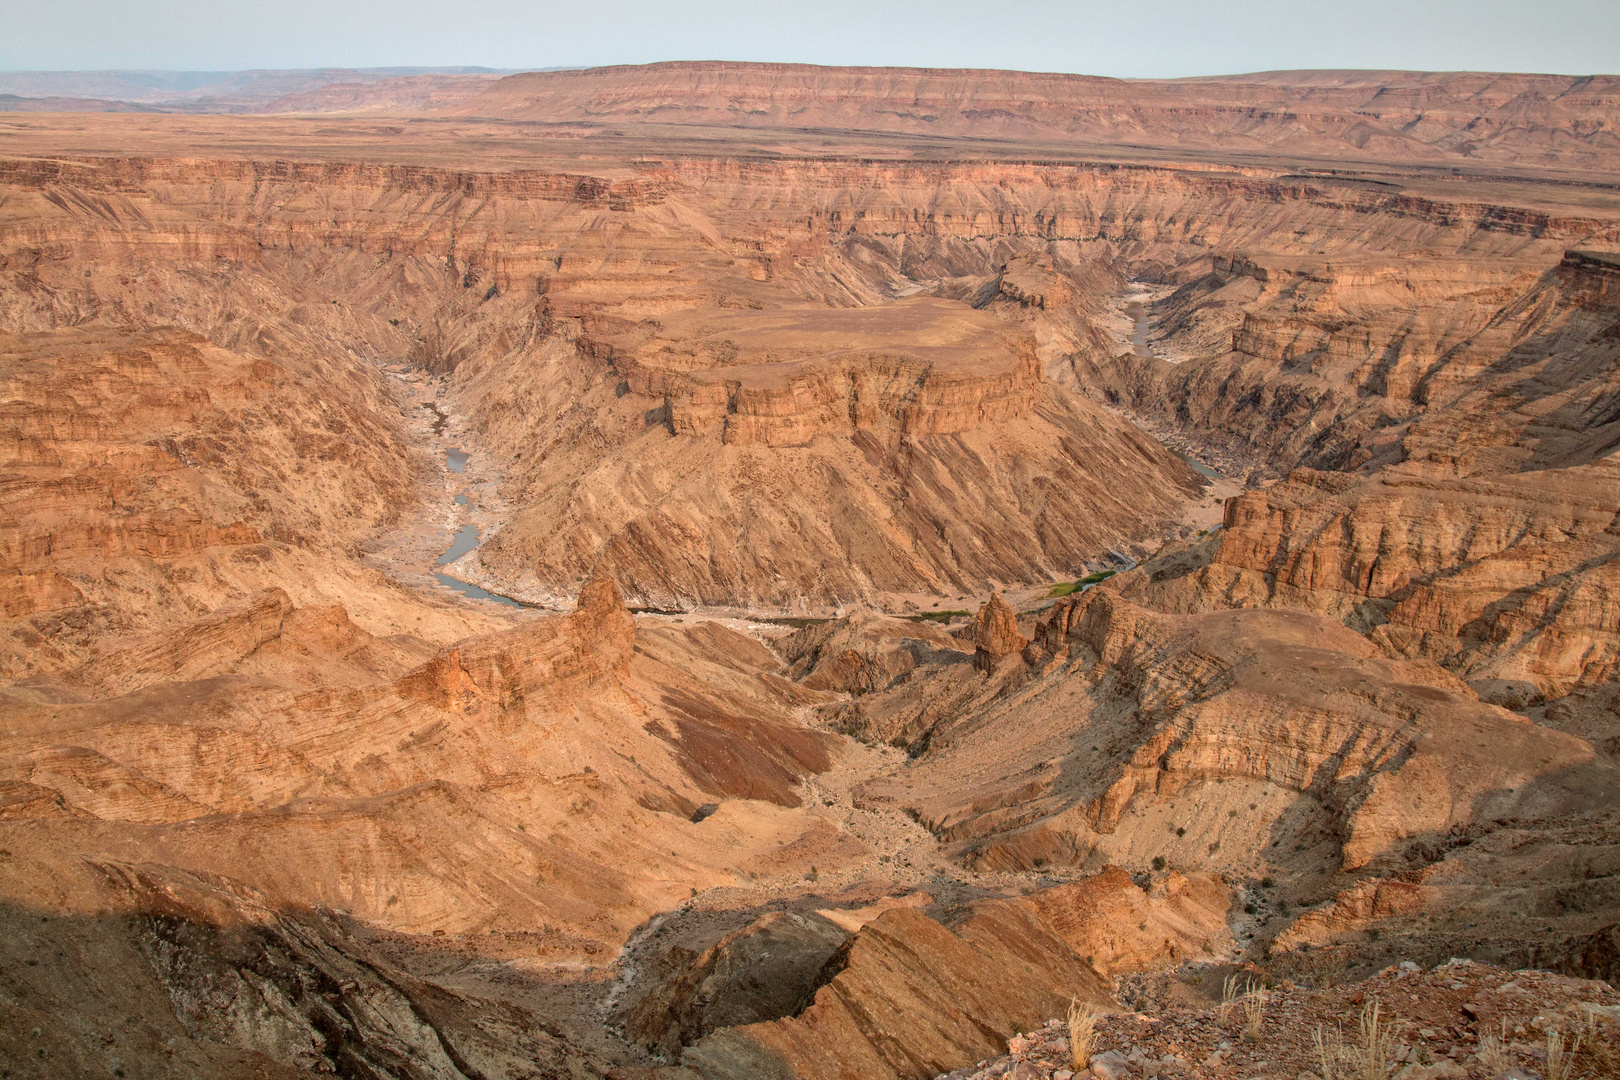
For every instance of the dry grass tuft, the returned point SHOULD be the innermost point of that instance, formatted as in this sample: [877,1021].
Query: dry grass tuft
[1368,1059]
[1599,1050]
[1229,995]
[1253,1001]
[1561,1053]
[1328,1055]
[1082,1035]
[1254,1014]
[1492,1053]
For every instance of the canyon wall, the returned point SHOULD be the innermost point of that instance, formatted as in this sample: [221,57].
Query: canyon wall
[1448,366]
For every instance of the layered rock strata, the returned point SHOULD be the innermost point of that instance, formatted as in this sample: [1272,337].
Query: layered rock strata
[1506,580]
[1352,752]
[1448,366]
[906,997]
[1378,115]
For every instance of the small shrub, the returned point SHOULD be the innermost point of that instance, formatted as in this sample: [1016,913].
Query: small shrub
[1158,862]
[927,616]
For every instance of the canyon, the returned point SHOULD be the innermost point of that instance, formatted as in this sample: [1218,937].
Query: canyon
[702,571]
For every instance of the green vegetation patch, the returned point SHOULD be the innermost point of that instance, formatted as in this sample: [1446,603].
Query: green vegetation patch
[937,616]
[1075,586]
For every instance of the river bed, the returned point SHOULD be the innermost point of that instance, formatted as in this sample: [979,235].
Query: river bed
[465,541]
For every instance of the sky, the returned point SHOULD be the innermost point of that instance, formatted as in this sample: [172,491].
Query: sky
[1167,38]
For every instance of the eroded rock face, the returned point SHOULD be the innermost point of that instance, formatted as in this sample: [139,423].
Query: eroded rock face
[1118,927]
[1346,747]
[209,664]
[846,483]
[767,970]
[995,633]
[911,998]
[224,981]
[1000,973]
[863,653]
[1596,956]
[782,377]
[1361,906]
[1506,580]
[719,433]
[1445,366]
[132,451]
[1400,115]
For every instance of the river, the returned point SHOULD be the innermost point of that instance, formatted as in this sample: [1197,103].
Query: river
[465,540]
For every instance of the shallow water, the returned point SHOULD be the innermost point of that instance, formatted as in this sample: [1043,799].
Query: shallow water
[1139,332]
[467,588]
[1201,469]
[465,540]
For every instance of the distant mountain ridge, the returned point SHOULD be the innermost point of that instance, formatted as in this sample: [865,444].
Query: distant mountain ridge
[1563,120]
[1430,118]
[205,91]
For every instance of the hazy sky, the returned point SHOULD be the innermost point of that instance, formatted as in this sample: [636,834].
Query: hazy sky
[1167,38]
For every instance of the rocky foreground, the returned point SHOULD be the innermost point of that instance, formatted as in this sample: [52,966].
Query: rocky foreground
[1459,1019]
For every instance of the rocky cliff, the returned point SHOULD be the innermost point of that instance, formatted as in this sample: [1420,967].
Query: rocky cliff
[1505,580]
[1448,366]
